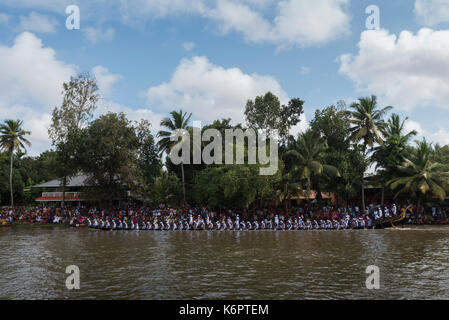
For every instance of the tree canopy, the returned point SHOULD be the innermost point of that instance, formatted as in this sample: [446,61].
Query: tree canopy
[123,159]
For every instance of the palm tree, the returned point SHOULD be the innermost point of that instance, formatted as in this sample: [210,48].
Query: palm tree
[12,138]
[288,186]
[178,121]
[420,176]
[395,128]
[392,154]
[308,153]
[367,125]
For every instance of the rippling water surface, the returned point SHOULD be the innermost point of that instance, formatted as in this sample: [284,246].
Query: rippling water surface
[414,264]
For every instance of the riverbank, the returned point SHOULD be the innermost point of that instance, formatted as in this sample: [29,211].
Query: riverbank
[19,224]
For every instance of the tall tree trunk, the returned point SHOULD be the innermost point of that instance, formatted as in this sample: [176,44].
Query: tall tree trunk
[418,207]
[363,193]
[318,196]
[183,183]
[382,197]
[10,178]
[363,180]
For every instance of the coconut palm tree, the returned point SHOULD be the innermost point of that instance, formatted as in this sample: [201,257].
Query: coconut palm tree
[420,176]
[395,128]
[392,154]
[367,125]
[12,139]
[307,153]
[178,122]
[288,186]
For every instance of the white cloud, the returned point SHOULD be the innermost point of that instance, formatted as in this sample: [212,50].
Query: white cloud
[301,127]
[305,22]
[283,23]
[408,71]
[105,79]
[211,92]
[31,72]
[140,9]
[297,22]
[35,120]
[411,125]
[441,136]
[95,35]
[238,17]
[432,12]
[38,124]
[105,106]
[188,46]
[30,85]
[38,23]
[31,81]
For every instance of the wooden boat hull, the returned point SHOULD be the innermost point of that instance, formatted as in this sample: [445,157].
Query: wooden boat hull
[393,222]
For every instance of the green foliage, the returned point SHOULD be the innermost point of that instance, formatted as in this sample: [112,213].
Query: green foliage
[332,124]
[366,127]
[267,114]
[367,122]
[27,172]
[123,159]
[12,136]
[80,96]
[12,139]
[233,186]
[307,157]
[148,159]
[166,189]
[392,153]
[178,121]
[420,176]
[107,155]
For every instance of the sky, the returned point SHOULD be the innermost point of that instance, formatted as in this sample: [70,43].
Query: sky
[209,57]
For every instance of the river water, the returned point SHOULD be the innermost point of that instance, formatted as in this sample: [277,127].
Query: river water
[413,263]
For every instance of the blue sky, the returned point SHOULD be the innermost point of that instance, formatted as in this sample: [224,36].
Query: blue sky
[209,56]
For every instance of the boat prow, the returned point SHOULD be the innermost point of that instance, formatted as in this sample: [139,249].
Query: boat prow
[393,222]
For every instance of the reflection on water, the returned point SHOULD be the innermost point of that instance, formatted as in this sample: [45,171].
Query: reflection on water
[224,265]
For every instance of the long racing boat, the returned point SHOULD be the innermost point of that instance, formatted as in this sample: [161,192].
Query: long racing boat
[393,222]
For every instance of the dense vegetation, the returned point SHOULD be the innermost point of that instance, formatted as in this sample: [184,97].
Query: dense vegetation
[123,158]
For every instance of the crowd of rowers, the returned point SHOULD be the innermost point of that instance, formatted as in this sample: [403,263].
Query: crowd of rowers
[310,217]
[198,223]
[208,220]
